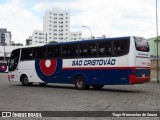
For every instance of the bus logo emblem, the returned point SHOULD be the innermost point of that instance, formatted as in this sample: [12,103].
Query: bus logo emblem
[48,67]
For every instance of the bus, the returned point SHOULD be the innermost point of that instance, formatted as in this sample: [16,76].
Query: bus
[85,63]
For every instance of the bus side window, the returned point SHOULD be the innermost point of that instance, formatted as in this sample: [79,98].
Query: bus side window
[57,51]
[65,51]
[74,50]
[108,45]
[101,48]
[26,54]
[50,52]
[39,52]
[121,47]
[83,49]
[92,51]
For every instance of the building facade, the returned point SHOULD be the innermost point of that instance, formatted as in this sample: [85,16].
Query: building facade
[56,25]
[153,46]
[75,35]
[5,37]
[38,37]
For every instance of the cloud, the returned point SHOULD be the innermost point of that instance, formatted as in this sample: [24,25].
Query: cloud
[20,21]
[104,17]
[118,17]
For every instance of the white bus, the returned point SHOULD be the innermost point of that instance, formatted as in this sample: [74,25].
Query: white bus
[98,62]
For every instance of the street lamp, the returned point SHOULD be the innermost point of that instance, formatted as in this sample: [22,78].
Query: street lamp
[89,30]
[157,43]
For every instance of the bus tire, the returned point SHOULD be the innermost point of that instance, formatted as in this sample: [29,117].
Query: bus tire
[97,87]
[80,83]
[24,81]
[42,84]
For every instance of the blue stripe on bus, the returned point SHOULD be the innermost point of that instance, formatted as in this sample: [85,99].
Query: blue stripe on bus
[99,76]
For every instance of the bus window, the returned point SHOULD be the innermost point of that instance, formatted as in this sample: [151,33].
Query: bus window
[108,49]
[57,51]
[105,48]
[121,47]
[13,62]
[83,49]
[101,48]
[74,50]
[39,52]
[92,51]
[141,45]
[65,51]
[50,52]
[26,54]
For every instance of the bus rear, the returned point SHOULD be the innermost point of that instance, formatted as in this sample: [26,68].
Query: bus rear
[141,71]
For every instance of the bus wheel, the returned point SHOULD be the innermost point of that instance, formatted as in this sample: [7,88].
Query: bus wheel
[24,80]
[80,83]
[97,87]
[42,84]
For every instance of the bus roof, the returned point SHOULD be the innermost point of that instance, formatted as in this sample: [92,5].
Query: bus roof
[86,41]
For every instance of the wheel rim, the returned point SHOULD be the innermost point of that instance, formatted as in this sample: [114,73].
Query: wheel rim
[25,80]
[80,82]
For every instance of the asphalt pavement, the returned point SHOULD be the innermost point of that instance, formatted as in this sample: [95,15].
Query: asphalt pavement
[61,97]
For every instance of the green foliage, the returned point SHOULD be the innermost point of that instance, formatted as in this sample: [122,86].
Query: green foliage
[53,42]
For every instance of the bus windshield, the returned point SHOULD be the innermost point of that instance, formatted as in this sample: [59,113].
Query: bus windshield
[13,62]
[141,44]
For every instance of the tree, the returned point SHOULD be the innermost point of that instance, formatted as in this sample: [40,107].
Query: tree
[53,42]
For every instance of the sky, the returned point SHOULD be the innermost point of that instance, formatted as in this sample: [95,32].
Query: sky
[112,18]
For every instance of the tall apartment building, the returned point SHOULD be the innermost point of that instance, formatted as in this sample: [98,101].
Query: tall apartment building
[5,37]
[56,25]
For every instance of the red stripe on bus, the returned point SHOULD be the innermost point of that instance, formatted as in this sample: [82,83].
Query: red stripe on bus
[104,68]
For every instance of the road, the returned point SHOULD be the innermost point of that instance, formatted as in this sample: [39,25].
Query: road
[57,97]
